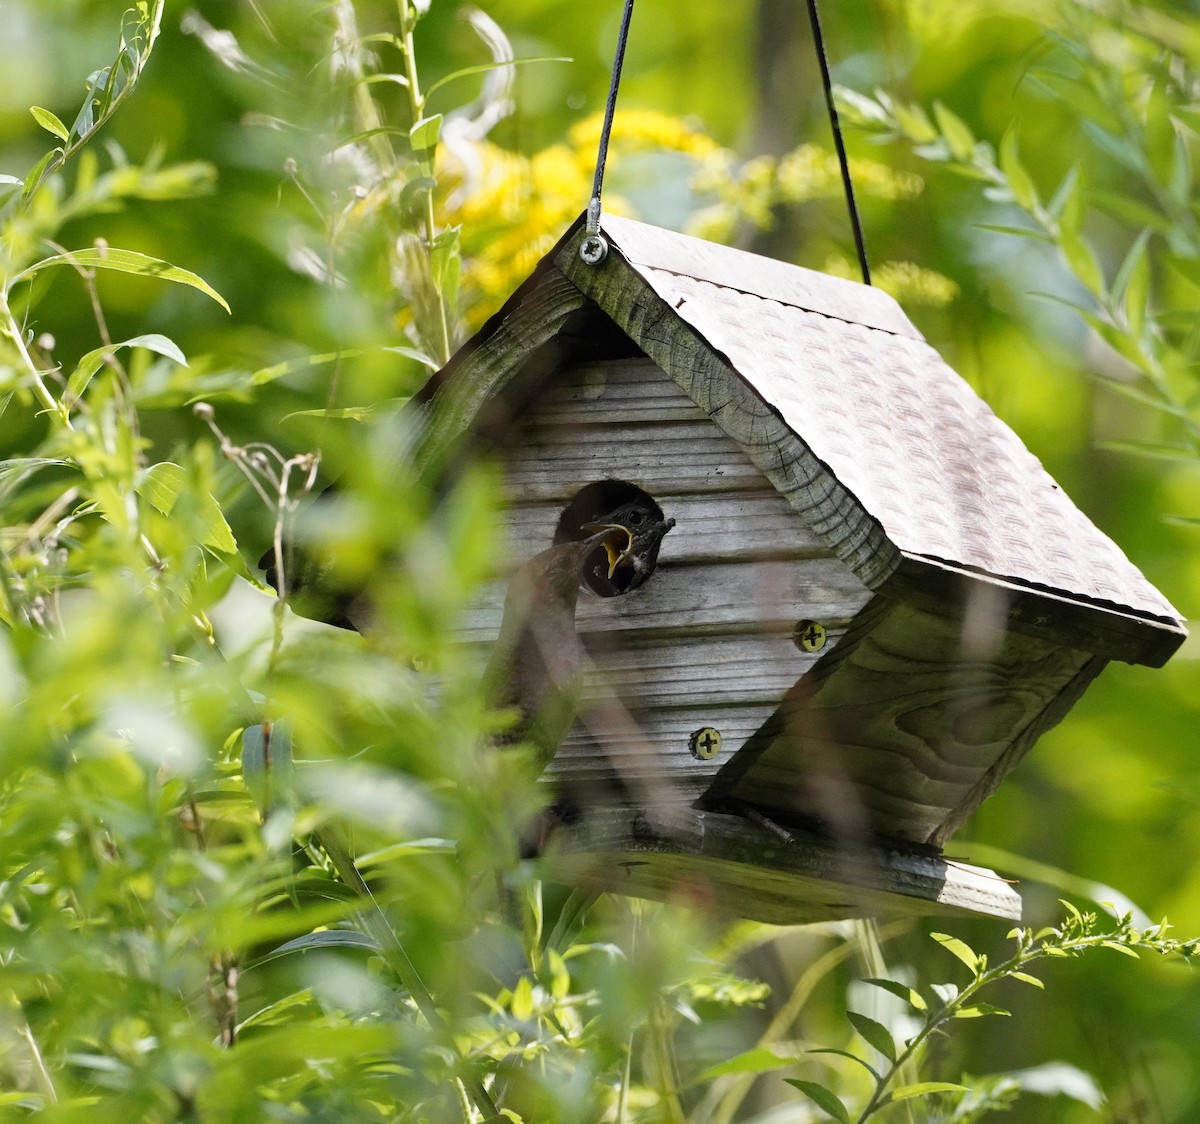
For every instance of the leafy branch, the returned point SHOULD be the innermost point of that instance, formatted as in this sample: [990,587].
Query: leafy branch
[1144,141]
[1080,933]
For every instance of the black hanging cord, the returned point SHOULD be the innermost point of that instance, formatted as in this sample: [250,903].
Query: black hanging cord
[594,249]
[814,18]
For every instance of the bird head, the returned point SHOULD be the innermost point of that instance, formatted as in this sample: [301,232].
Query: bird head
[637,534]
[563,568]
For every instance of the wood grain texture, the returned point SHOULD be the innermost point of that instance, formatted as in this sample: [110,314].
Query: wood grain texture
[707,640]
[725,397]
[908,725]
[1040,613]
[890,454]
[472,386]
[735,867]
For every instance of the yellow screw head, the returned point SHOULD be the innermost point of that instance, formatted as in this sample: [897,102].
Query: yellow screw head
[809,636]
[705,743]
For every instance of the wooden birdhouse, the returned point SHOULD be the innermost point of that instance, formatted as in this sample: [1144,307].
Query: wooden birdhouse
[873,602]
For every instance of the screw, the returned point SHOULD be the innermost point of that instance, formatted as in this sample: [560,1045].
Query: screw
[809,636]
[593,249]
[705,743]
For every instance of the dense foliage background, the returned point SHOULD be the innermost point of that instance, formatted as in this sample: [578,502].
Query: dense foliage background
[1028,194]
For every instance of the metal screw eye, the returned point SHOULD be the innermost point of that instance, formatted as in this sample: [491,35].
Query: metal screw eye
[593,249]
[705,743]
[809,636]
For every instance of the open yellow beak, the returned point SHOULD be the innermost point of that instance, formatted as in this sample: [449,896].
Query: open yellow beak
[615,556]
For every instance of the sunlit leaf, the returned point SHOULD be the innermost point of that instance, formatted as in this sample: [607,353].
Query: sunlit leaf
[163,484]
[923,1089]
[910,995]
[49,122]
[124,261]
[958,948]
[90,363]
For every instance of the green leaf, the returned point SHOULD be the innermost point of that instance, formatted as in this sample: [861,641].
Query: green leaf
[325,938]
[1019,182]
[852,1057]
[1025,977]
[424,133]
[1178,454]
[49,122]
[267,765]
[910,995]
[875,1033]
[483,68]
[125,261]
[36,173]
[1117,947]
[979,1011]
[958,948]
[1131,283]
[822,1098]
[163,483]
[924,1088]
[1082,259]
[956,131]
[351,413]
[521,1003]
[94,360]
[762,1059]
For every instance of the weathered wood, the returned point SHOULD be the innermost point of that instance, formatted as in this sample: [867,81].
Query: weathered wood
[707,641]
[906,726]
[739,412]
[733,866]
[914,449]
[1137,639]
[472,386]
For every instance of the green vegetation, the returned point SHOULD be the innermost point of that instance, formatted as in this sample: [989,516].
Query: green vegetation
[233,241]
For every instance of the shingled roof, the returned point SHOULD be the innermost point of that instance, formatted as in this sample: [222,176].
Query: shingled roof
[854,416]
[899,428]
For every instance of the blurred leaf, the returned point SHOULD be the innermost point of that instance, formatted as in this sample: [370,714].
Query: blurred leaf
[163,484]
[123,261]
[956,131]
[424,133]
[94,360]
[923,1089]
[484,68]
[850,1057]
[761,1059]
[323,939]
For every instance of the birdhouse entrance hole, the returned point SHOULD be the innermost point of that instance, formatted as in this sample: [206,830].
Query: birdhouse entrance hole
[597,501]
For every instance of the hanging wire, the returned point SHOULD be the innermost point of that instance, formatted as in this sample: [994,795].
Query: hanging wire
[594,249]
[814,18]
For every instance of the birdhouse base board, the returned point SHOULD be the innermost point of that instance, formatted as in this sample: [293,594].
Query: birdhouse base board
[746,869]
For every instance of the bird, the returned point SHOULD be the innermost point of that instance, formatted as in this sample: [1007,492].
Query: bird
[538,662]
[629,567]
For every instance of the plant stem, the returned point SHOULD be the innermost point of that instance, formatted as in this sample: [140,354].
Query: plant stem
[9,327]
[416,105]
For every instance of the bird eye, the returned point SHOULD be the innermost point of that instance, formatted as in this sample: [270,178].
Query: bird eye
[636,518]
